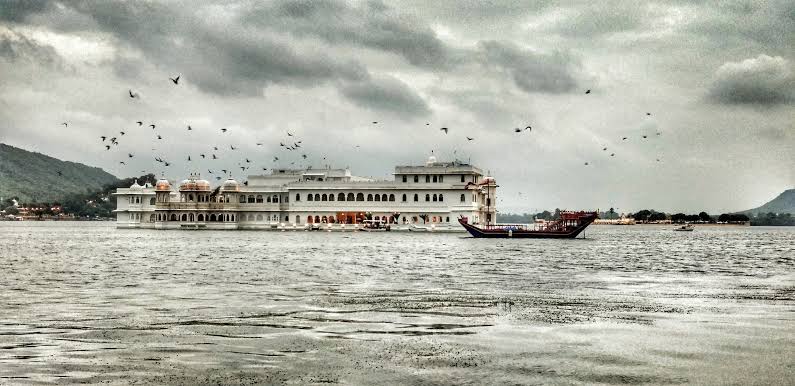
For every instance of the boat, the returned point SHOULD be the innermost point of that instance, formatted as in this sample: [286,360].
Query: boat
[569,225]
[374,226]
[685,228]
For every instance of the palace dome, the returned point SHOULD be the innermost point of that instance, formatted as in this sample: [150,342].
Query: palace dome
[230,185]
[194,183]
[162,185]
[136,186]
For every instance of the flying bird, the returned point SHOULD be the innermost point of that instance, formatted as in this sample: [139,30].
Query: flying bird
[190,128]
[281,144]
[103,138]
[470,138]
[648,114]
[259,143]
[644,136]
[218,178]
[275,159]
[586,164]
[289,134]
[223,170]
[375,122]
[303,155]
[588,91]
[233,148]
[223,130]
[188,158]
[152,126]
[214,157]
[166,163]
[65,124]
[612,154]
[60,173]
[121,132]
[122,162]
[159,137]
[444,129]
[247,161]
[133,95]
[107,147]
[202,155]
[624,139]
[113,139]
[129,155]
[175,80]
[139,123]
[604,149]
[215,148]
[517,130]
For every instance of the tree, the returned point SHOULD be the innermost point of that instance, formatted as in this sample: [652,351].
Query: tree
[642,215]
[703,216]
[657,216]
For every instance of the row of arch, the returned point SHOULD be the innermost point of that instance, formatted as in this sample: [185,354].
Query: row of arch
[372,197]
[190,217]
[316,219]
[258,199]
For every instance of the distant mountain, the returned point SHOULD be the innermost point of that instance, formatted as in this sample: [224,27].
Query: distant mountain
[784,203]
[33,177]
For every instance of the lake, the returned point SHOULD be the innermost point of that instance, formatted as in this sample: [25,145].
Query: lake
[85,302]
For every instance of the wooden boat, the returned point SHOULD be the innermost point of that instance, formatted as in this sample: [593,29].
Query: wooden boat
[568,226]
[685,228]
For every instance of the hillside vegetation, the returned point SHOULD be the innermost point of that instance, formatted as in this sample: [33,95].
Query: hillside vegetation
[33,177]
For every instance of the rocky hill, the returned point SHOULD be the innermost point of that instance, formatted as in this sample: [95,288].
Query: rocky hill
[784,203]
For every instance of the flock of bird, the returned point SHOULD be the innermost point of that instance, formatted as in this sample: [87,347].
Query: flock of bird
[290,143]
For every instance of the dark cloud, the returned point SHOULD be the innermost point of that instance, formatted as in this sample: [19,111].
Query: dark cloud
[372,25]
[763,80]
[18,10]
[20,50]
[531,71]
[386,94]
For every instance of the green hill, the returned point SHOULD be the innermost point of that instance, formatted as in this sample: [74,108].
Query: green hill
[33,177]
[784,203]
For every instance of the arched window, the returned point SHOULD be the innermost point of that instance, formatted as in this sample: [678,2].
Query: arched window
[441,197]
[251,199]
[317,197]
[233,217]
[242,199]
[447,219]
[383,197]
[427,178]
[184,217]
[324,220]
[416,178]
[463,198]
[441,178]
[427,197]
[317,219]
[378,197]
[298,197]
[151,218]
[269,198]
[360,197]
[259,199]
[297,219]
[190,198]
[331,197]
[405,179]
[391,197]
[191,217]
[310,197]
[227,198]
[212,217]
[324,197]
[434,198]
[404,197]
[350,197]
[369,197]
[435,179]
[416,197]
[152,201]
[201,217]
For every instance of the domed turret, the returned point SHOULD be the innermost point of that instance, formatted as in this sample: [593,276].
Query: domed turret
[194,183]
[162,185]
[136,186]
[230,185]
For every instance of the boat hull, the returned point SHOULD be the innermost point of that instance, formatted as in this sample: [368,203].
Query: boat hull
[500,233]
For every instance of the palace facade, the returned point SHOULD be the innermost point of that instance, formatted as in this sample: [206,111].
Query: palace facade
[431,196]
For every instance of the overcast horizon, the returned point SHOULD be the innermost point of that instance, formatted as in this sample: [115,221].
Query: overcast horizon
[711,87]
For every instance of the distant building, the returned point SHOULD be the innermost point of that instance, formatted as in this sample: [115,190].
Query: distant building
[436,193]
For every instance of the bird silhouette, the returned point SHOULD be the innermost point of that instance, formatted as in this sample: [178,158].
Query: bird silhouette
[604,149]
[247,161]
[159,137]
[624,139]
[121,132]
[289,134]
[139,123]
[612,154]
[202,155]
[232,147]
[223,130]
[444,129]
[275,159]
[375,122]
[60,173]
[586,164]
[281,144]
[133,95]
[223,170]
[107,147]
[264,169]
[122,162]
[215,148]
[113,139]
[517,130]
[470,138]
[65,124]
[588,91]
[175,80]
[259,143]
[644,136]
[303,155]
[103,138]
[188,158]
[214,157]
[129,155]
[166,163]
[152,126]
[218,178]
[190,128]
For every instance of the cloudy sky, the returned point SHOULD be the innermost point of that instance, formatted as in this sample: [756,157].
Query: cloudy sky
[716,77]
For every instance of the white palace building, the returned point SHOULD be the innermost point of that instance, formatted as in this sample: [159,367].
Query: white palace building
[426,197]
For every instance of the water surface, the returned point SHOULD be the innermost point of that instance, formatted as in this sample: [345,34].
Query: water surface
[85,302]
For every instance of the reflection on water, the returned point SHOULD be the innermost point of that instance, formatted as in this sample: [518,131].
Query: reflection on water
[88,303]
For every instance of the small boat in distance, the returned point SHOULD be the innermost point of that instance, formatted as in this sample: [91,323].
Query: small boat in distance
[568,226]
[374,226]
[685,228]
